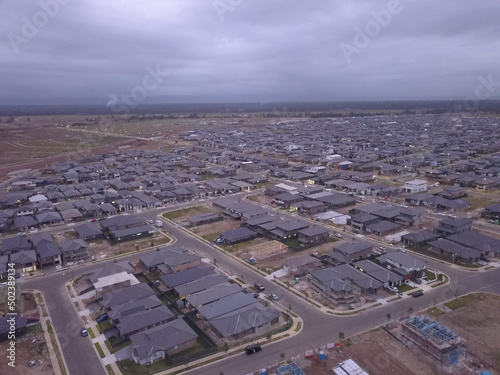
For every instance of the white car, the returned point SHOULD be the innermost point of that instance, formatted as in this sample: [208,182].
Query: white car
[393,289]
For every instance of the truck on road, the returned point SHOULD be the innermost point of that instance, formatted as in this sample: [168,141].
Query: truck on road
[159,223]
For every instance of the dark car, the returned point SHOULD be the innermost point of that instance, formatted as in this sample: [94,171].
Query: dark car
[259,287]
[32,319]
[416,281]
[102,318]
[84,332]
[418,293]
[254,348]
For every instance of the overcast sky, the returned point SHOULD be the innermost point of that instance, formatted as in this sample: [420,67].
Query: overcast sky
[247,50]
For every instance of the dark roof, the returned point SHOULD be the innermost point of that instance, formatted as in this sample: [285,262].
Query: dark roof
[226,304]
[88,230]
[131,293]
[332,279]
[200,284]
[238,234]
[20,322]
[476,241]
[182,277]
[161,338]
[16,243]
[455,248]
[144,319]
[383,226]
[313,231]
[170,257]
[73,245]
[118,233]
[213,294]
[122,220]
[46,249]
[350,248]
[380,273]
[419,237]
[243,319]
[133,307]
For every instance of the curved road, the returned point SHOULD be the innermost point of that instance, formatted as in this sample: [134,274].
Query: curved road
[319,328]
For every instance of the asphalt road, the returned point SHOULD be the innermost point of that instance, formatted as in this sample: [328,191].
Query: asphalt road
[319,328]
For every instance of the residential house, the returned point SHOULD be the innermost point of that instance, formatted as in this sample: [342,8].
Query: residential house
[332,286]
[170,260]
[75,250]
[16,244]
[89,231]
[454,226]
[301,264]
[238,235]
[454,252]
[204,219]
[312,236]
[144,320]
[162,341]
[403,264]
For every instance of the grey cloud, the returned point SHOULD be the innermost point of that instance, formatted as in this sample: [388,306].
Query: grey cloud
[259,50]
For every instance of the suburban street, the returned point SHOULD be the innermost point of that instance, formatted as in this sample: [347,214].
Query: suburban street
[319,328]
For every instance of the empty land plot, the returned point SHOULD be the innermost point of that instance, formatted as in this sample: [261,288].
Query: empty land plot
[475,317]
[211,231]
[29,347]
[182,215]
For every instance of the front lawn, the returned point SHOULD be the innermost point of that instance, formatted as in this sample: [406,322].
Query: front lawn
[293,243]
[405,288]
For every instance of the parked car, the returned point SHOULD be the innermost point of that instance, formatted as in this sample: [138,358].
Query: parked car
[418,293]
[486,260]
[150,221]
[256,295]
[254,348]
[338,235]
[84,332]
[32,319]
[273,296]
[416,281]
[393,289]
[102,318]
[259,287]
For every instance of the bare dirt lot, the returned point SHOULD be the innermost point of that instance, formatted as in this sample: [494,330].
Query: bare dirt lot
[473,317]
[29,347]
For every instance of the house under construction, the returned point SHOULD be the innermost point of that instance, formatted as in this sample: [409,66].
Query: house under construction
[435,338]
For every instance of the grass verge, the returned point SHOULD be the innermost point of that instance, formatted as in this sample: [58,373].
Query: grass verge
[55,346]
[110,370]
[91,333]
[99,350]
[299,326]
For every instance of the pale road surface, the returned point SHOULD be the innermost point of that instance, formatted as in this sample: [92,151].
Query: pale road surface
[319,328]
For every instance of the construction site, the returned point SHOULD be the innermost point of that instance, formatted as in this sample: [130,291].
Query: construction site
[434,338]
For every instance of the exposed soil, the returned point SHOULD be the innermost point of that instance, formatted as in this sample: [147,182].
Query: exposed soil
[29,347]
[378,353]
